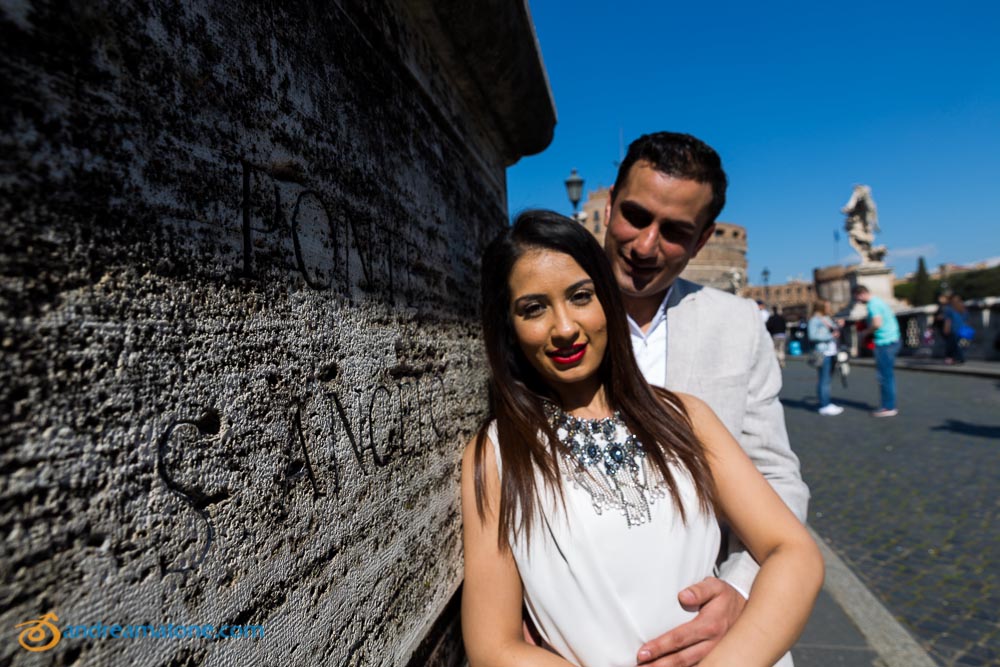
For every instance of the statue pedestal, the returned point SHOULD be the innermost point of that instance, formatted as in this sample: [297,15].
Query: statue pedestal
[879,279]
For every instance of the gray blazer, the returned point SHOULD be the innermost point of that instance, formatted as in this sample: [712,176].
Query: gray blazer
[719,351]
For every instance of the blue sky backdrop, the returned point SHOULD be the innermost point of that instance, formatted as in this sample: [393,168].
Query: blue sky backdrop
[802,100]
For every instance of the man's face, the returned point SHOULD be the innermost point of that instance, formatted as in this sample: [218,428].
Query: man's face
[863,297]
[655,226]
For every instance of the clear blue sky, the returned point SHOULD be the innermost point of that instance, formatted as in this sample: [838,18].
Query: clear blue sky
[802,100]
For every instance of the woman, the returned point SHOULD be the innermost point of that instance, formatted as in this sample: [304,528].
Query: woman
[590,497]
[823,333]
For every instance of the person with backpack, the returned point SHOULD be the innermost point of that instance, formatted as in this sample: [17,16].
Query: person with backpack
[956,330]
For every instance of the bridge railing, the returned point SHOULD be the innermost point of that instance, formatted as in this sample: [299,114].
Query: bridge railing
[920,339]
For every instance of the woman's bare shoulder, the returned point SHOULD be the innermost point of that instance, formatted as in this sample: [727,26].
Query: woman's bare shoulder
[489,455]
[690,404]
[706,424]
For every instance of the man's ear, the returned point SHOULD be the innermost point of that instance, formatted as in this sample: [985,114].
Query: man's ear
[607,208]
[705,236]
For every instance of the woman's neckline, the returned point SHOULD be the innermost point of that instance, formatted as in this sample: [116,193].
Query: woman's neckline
[558,410]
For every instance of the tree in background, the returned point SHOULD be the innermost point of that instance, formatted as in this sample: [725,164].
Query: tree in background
[977,284]
[923,290]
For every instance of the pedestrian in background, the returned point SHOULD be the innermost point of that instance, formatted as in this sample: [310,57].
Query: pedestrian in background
[941,314]
[777,326]
[765,314]
[883,324]
[823,334]
[955,325]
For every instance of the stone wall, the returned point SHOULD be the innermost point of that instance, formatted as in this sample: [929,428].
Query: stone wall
[239,261]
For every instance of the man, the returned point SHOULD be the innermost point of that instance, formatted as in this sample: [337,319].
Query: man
[765,314]
[777,326]
[661,212]
[882,322]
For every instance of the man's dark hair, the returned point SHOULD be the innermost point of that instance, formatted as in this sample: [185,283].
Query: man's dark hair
[681,156]
[860,289]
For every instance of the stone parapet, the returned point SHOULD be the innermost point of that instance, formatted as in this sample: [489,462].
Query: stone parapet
[238,300]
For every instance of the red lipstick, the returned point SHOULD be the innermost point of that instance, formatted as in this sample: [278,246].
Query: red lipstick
[568,355]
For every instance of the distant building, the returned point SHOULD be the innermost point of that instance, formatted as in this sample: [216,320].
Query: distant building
[833,283]
[591,215]
[722,263]
[795,297]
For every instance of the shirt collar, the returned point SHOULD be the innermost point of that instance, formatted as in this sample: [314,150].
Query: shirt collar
[659,318]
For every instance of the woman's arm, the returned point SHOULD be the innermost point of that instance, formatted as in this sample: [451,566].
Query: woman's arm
[791,573]
[818,331]
[492,594]
[833,328]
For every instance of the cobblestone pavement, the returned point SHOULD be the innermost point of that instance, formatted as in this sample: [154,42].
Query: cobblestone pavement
[911,502]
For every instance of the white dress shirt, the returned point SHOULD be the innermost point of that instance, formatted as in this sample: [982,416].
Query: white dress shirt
[650,350]
[651,347]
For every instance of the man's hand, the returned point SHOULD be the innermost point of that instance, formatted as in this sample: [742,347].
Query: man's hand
[718,604]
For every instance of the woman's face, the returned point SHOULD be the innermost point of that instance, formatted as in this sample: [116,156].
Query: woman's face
[559,323]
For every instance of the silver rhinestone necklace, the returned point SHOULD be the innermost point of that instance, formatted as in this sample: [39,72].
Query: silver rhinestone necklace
[602,457]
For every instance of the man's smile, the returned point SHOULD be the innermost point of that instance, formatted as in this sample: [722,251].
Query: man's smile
[641,271]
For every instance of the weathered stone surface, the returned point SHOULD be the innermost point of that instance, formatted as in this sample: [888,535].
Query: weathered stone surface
[239,260]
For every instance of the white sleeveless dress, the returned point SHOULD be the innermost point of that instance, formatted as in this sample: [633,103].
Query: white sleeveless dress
[598,589]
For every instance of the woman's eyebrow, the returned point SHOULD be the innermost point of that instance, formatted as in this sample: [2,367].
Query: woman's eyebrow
[542,297]
[580,283]
[529,297]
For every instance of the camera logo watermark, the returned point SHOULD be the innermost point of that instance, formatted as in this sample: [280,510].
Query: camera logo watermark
[41,633]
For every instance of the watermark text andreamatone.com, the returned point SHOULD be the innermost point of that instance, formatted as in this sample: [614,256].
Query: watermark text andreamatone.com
[42,634]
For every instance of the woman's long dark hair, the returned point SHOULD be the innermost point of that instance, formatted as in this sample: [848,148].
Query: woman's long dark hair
[517,392]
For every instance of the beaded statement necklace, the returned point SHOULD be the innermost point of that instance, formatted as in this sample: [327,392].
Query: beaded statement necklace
[602,457]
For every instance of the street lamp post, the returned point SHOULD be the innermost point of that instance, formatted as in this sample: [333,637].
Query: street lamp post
[574,189]
[766,275]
